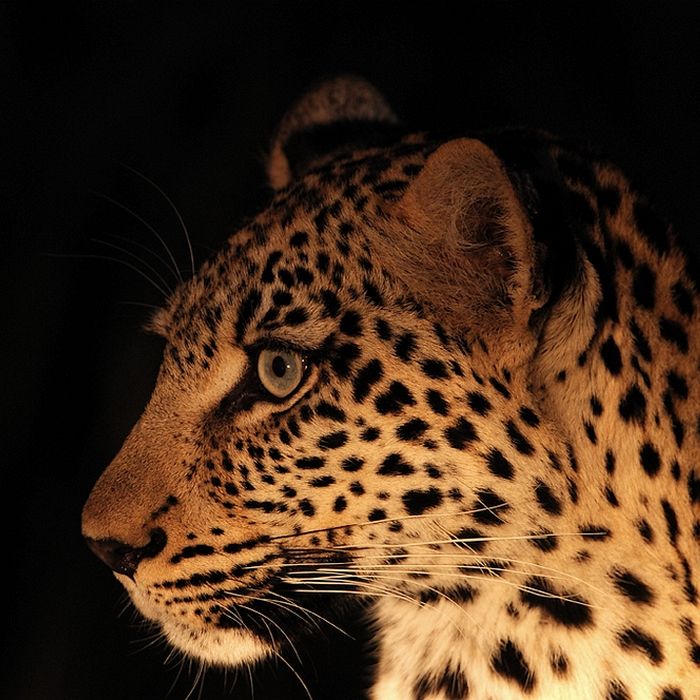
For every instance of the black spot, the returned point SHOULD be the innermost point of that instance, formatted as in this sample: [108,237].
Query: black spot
[352,464]
[328,410]
[307,507]
[693,486]
[265,506]
[611,356]
[518,440]
[417,501]
[644,286]
[437,402]
[412,429]
[356,488]
[383,329]
[677,384]
[246,311]
[435,369]
[286,277]
[625,255]
[611,497]
[631,586]
[529,417]
[366,377]
[322,481]
[616,691]
[673,332]
[296,316]
[683,299]
[564,607]
[372,293]
[370,434]
[649,459]
[322,262]
[299,239]
[671,694]
[633,405]
[633,639]
[272,259]
[645,530]
[596,406]
[499,387]
[331,303]
[559,664]
[342,358]
[405,346]
[610,462]
[333,441]
[671,521]
[394,465]
[590,432]
[304,276]
[488,507]
[350,324]
[394,399]
[376,514]
[651,226]
[499,465]
[282,298]
[432,471]
[640,341]
[470,539]
[544,540]
[478,403]
[547,500]
[508,661]
[676,470]
[310,462]
[450,684]
[461,434]
[340,504]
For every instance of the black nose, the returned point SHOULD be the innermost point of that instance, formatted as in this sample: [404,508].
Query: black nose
[123,558]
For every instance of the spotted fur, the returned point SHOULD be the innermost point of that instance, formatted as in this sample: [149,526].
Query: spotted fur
[496,438]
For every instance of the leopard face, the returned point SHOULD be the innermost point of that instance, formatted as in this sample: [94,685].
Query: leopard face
[451,378]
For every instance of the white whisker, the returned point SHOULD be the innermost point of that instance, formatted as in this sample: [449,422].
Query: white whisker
[174,208]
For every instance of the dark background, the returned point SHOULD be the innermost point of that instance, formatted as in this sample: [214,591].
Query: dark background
[189,97]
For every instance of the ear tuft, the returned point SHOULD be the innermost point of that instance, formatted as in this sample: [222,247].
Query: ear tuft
[463,243]
[337,113]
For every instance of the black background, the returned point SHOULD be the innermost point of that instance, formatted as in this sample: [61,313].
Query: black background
[188,94]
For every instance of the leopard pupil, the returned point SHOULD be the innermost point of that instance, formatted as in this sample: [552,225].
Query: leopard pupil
[279,366]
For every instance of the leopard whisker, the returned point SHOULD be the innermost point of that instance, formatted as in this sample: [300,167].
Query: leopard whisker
[333,580]
[381,521]
[294,672]
[162,193]
[153,253]
[309,613]
[109,258]
[276,624]
[147,225]
[139,259]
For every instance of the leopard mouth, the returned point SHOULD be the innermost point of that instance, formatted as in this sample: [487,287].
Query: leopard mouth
[242,626]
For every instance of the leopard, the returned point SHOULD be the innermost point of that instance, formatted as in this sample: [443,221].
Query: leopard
[450,375]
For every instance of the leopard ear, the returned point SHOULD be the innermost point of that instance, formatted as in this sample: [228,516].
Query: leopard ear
[462,242]
[342,112]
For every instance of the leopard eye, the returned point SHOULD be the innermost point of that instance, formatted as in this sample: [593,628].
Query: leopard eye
[280,371]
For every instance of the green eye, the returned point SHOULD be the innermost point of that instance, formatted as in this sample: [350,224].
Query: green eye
[280,371]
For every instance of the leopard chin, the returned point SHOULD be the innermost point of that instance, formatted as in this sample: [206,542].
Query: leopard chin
[224,647]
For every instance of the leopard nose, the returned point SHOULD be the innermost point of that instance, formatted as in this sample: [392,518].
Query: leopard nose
[124,558]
